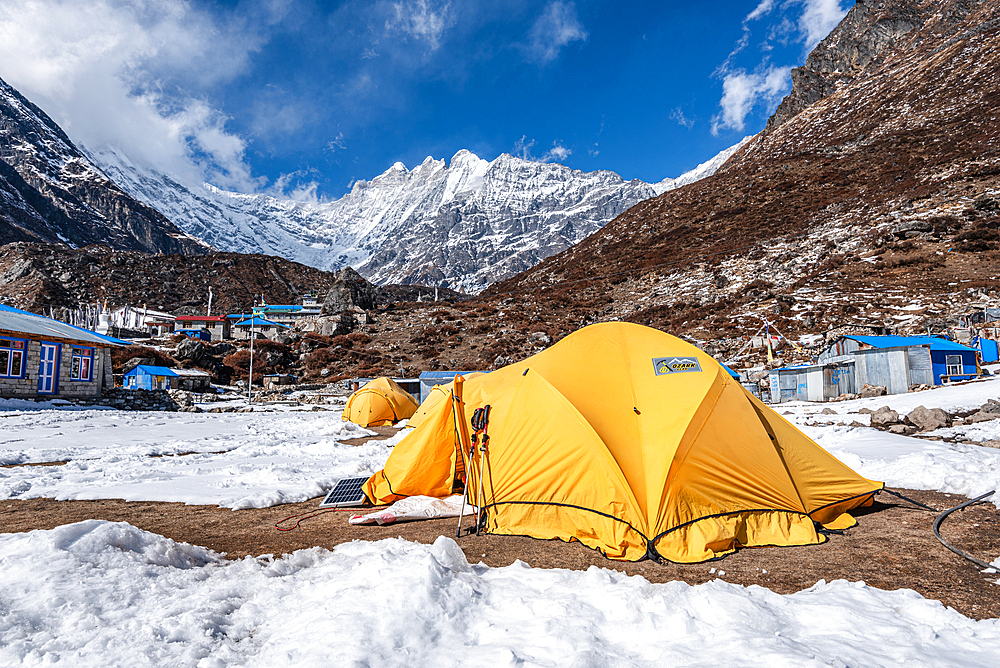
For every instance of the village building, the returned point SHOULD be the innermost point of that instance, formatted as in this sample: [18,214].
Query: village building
[133,321]
[216,325]
[42,358]
[244,329]
[148,377]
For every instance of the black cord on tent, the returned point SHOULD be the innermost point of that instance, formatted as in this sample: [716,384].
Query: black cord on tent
[941,517]
[906,498]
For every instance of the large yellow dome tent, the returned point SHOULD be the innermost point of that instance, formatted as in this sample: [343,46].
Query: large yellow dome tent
[635,443]
[379,403]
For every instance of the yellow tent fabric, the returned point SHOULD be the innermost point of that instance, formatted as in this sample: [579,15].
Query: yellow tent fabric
[379,403]
[637,443]
[429,405]
[429,460]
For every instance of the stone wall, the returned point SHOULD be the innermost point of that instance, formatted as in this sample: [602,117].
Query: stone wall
[27,387]
[134,400]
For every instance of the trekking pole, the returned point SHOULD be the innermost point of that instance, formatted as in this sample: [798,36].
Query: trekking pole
[465,488]
[480,515]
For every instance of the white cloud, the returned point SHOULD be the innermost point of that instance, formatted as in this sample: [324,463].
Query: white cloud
[557,27]
[682,120]
[742,91]
[421,20]
[818,18]
[116,73]
[558,152]
[760,10]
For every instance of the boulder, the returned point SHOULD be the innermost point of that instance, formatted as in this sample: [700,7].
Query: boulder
[899,429]
[349,289]
[982,416]
[869,391]
[828,411]
[189,349]
[884,417]
[136,361]
[928,419]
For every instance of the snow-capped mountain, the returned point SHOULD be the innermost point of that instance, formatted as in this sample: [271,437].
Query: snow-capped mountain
[51,192]
[463,224]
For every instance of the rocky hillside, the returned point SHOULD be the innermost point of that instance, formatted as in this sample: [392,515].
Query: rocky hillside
[42,277]
[51,192]
[870,201]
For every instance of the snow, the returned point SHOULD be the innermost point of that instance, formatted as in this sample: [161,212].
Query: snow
[107,594]
[98,593]
[236,460]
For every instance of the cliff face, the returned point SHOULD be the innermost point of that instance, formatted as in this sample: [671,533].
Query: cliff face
[858,46]
[51,192]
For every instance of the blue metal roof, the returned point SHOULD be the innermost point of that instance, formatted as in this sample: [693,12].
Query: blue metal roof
[259,322]
[151,371]
[730,371]
[894,341]
[444,374]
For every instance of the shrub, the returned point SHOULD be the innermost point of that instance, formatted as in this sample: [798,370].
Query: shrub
[359,338]
[341,341]
[239,362]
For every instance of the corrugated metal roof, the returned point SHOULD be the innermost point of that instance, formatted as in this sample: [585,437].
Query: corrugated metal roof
[259,322]
[151,371]
[446,374]
[190,372]
[17,321]
[895,341]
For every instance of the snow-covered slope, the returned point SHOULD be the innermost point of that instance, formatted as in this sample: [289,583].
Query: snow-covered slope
[463,224]
[51,192]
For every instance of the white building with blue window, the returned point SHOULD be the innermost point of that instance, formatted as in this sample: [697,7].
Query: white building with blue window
[43,358]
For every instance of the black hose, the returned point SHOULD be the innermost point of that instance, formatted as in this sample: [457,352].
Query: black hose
[940,518]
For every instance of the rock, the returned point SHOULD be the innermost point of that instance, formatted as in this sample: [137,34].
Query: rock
[908,227]
[991,406]
[136,361]
[866,411]
[928,419]
[869,391]
[349,289]
[884,417]
[855,423]
[284,339]
[898,429]
[982,416]
[846,397]
[828,411]
[540,337]
[222,348]
[189,349]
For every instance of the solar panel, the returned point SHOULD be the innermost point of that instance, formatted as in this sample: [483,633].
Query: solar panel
[347,492]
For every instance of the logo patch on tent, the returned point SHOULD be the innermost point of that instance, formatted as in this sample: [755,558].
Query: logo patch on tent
[665,365]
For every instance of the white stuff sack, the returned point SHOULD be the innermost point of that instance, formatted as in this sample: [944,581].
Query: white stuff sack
[416,508]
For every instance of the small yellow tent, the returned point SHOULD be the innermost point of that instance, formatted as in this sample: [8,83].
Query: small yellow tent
[634,443]
[380,402]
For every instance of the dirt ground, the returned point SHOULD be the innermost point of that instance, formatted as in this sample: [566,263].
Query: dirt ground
[891,548]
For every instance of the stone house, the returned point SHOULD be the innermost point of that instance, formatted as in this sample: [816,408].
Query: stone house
[42,358]
[216,325]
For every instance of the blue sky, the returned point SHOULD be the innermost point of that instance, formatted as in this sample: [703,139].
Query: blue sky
[302,97]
